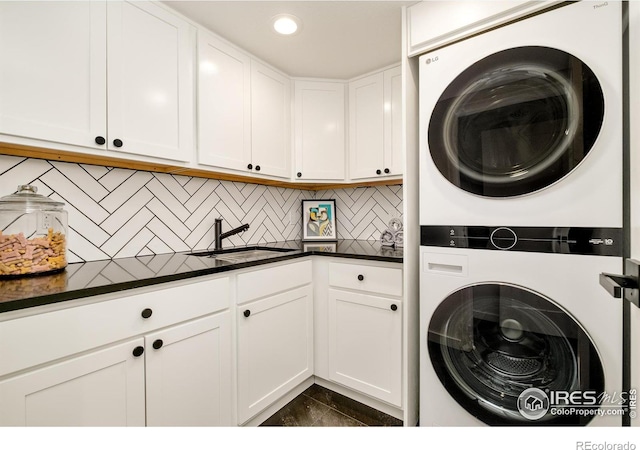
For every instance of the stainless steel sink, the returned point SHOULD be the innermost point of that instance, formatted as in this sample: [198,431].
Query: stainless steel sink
[236,256]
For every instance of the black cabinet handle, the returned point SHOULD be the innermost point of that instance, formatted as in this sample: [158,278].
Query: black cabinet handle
[146,313]
[249,166]
[157,344]
[258,168]
[100,140]
[246,313]
[138,351]
[378,172]
[394,307]
[387,171]
[361,277]
[299,174]
[117,143]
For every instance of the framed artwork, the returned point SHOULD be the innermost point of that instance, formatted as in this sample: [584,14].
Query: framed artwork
[319,220]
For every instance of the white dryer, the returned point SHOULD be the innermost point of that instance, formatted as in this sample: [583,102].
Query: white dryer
[522,125]
[518,338]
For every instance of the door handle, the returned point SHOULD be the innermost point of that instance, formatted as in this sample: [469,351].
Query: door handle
[624,286]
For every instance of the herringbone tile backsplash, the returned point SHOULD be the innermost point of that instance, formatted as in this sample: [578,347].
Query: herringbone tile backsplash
[116,213]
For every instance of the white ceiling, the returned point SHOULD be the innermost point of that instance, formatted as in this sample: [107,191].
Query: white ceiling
[339,39]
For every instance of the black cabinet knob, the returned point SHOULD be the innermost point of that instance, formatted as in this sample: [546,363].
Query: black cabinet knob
[387,171]
[100,140]
[146,313]
[246,313]
[249,166]
[138,351]
[361,277]
[394,307]
[258,168]
[117,143]
[299,174]
[378,172]
[157,344]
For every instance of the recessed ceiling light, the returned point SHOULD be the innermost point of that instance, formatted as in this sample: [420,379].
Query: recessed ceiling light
[286,24]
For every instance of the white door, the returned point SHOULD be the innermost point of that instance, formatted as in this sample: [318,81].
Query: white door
[102,388]
[150,76]
[270,122]
[189,374]
[393,159]
[224,104]
[275,348]
[319,131]
[53,77]
[365,344]
[366,127]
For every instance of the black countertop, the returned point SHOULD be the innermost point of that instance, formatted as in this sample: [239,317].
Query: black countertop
[81,280]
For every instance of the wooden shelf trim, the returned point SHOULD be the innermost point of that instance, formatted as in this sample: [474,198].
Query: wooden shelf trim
[109,161]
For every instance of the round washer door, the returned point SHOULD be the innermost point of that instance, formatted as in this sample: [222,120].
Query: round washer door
[489,343]
[516,121]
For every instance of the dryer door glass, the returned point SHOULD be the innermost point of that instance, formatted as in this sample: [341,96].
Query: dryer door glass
[492,345]
[516,121]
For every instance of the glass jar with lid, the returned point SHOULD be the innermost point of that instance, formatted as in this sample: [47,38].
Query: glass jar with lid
[33,231]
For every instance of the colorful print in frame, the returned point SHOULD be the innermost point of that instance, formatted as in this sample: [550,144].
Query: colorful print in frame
[319,220]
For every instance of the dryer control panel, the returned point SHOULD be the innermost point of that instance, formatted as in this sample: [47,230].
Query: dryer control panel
[567,240]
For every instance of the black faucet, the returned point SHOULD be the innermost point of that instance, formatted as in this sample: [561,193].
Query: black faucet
[219,235]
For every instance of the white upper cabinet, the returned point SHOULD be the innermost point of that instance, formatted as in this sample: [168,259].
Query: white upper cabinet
[270,122]
[150,81]
[53,77]
[393,154]
[432,24]
[224,104]
[319,112]
[366,129]
[375,125]
[111,75]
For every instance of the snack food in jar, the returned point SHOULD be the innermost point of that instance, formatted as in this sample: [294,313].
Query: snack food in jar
[33,234]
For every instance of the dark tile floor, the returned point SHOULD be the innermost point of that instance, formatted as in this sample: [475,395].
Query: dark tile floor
[321,407]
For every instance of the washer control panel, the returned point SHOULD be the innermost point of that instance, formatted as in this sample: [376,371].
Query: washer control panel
[567,240]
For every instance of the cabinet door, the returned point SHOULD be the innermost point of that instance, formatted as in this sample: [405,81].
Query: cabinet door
[150,76]
[319,131]
[101,388]
[393,161]
[434,24]
[365,344]
[270,122]
[189,374]
[275,348]
[53,77]
[366,126]
[224,104]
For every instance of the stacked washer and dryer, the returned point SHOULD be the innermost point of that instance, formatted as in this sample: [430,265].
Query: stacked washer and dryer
[521,193]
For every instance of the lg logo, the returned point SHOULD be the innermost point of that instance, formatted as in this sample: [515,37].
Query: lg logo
[431,60]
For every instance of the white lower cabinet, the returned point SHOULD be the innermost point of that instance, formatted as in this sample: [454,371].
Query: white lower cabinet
[101,388]
[188,374]
[275,348]
[359,329]
[165,356]
[157,357]
[365,344]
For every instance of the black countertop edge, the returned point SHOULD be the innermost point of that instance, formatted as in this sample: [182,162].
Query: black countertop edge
[68,293]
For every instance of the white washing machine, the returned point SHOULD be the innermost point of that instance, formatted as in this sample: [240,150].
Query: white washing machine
[522,125]
[504,332]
